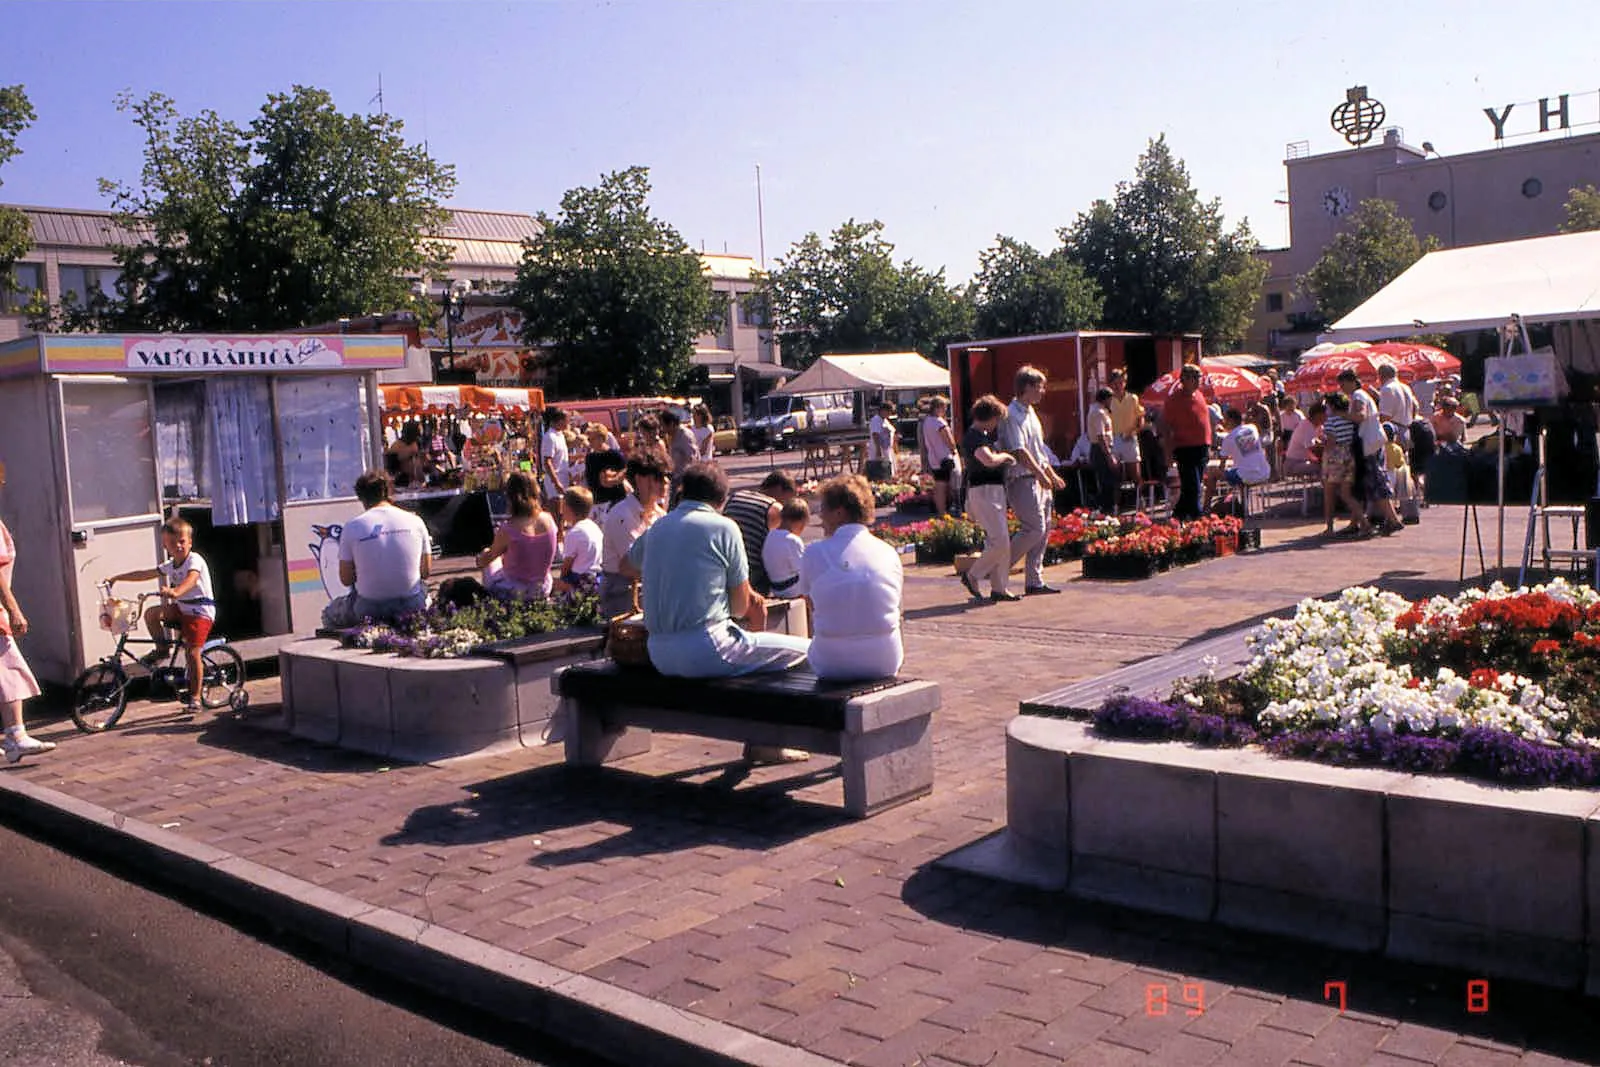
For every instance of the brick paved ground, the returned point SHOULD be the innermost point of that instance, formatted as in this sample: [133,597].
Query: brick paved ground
[745,897]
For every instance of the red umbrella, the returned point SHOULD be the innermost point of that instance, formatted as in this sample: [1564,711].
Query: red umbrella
[1321,375]
[1221,384]
[1418,362]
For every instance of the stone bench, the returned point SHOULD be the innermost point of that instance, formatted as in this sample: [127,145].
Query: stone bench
[881,731]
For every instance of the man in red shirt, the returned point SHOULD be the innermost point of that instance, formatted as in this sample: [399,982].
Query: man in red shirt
[1186,427]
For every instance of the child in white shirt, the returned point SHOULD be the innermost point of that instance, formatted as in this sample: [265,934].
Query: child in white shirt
[780,553]
[580,548]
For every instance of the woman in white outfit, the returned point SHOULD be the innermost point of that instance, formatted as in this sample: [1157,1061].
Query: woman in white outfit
[986,498]
[853,581]
[939,448]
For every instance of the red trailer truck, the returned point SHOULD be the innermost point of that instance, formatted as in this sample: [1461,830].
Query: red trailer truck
[1076,364]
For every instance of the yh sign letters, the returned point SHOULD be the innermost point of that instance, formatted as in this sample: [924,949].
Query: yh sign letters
[1552,113]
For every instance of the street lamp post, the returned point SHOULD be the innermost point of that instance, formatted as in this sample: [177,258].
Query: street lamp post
[455,307]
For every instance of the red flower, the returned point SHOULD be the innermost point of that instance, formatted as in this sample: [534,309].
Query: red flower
[1546,646]
[1484,678]
[1413,683]
[1411,618]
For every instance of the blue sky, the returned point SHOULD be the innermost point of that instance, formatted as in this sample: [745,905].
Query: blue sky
[949,121]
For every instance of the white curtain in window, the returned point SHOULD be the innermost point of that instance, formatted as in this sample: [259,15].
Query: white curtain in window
[183,437]
[322,420]
[244,471]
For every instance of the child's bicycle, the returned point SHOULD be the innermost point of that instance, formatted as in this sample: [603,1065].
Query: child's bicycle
[100,693]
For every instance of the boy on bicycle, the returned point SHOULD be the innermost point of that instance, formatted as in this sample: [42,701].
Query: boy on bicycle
[186,586]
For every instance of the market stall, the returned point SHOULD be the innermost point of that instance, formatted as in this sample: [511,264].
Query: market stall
[482,434]
[1543,285]
[256,440]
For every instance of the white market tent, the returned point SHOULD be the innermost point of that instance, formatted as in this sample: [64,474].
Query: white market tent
[888,371]
[1542,279]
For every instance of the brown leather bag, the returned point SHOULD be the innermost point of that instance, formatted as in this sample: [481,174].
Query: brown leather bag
[626,637]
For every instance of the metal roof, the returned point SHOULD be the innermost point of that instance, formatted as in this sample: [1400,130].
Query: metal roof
[490,225]
[78,229]
[484,253]
[736,268]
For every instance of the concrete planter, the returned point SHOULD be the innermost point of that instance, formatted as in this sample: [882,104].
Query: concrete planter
[424,710]
[1500,882]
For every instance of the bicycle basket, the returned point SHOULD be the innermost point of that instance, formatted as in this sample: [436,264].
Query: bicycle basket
[118,616]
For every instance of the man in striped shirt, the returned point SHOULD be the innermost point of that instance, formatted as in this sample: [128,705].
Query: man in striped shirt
[755,512]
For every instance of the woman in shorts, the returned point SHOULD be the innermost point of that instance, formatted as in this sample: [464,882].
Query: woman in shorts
[1339,467]
[939,446]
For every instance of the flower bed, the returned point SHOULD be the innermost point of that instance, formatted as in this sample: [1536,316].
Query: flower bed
[1490,684]
[445,632]
[1147,546]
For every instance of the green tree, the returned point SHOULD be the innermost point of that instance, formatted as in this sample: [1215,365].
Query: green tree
[1019,291]
[1375,246]
[1583,210]
[307,215]
[1160,255]
[16,235]
[848,295]
[614,294]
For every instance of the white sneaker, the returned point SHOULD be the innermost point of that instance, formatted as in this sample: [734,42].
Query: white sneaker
[15,748]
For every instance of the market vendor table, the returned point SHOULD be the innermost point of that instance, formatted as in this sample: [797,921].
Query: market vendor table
[459,521]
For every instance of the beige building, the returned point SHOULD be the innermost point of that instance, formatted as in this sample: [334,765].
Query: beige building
[1499,194]
[742,358]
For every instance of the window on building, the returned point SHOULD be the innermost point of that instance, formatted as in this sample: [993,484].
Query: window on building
[26,279]
[1532,188]
[79,284]
[1274,301]
[753,310]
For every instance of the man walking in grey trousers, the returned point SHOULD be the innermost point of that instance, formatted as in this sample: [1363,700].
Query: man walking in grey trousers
[1030,478]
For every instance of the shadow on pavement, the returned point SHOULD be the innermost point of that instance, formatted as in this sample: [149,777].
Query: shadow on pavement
[659,813]
[1546,1020]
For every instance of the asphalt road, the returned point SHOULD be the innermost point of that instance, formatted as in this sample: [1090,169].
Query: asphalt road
[96,971]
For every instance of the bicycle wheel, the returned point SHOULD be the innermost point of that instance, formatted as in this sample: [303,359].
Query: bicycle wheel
[100,696]
[222,671]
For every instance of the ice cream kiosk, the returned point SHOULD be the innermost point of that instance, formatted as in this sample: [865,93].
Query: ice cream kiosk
[256,440]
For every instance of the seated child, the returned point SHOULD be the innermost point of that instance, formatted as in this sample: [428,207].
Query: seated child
[186,588]
[780,553]
[580,551]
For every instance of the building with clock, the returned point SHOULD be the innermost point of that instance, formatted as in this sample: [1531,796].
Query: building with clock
[1499,194]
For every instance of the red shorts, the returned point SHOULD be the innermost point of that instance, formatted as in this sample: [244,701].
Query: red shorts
[194,629]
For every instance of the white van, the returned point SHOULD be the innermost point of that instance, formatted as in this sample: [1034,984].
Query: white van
[777,420]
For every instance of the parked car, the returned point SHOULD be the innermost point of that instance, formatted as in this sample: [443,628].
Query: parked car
[778,420]
[726,437]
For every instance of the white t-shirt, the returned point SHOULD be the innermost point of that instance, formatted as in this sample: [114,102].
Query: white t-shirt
[933,442]
[386,544]
[854,581]
[780,556]
[553,446]
[1371,429]
[877,430]
[1242,447]
[1397,403]
[583,547]
[704,443]
[623,523]
[200,600]
[1289,421]
[1099,424]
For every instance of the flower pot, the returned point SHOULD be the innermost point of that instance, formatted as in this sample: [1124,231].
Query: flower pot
[1122,568]
[1226,545]
[965,561]
[1249,540]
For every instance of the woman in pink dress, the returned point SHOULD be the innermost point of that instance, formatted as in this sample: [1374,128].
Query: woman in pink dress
[16,680]
[518,562]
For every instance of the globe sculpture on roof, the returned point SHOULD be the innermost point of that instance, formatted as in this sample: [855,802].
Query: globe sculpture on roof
[1358,117]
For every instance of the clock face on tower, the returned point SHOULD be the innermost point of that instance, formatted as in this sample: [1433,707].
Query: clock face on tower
[1336,201]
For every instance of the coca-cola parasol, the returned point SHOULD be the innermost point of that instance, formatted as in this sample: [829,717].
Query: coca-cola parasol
[1321,375]
[1418,362]
[1220,384]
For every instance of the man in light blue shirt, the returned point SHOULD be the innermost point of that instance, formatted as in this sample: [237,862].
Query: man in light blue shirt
[697,583]
[1029,480]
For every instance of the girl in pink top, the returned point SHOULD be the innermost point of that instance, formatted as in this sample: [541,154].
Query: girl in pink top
[16,680]
[518,562]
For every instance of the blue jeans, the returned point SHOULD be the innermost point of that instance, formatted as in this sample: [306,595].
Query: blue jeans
[1191,461]
[353,610]
[725,651]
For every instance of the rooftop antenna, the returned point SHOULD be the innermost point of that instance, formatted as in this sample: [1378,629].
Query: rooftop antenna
[379,98]
[761,222]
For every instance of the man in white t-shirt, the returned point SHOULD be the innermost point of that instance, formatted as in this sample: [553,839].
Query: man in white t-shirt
[1372,478]
[384,556]
[553,457]
[1396,402]
[1244,460]
[880,444]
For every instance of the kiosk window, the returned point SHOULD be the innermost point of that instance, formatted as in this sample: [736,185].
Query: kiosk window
[111,466]
[322,423]
[182,441]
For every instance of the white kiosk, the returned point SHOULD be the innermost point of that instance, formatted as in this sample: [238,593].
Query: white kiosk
[256,440]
